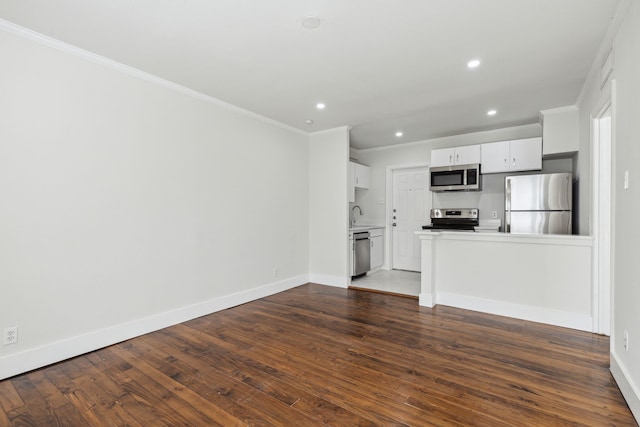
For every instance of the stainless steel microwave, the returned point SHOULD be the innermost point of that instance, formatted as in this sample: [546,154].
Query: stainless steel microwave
[456,178]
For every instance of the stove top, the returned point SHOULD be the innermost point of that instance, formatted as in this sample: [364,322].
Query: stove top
[453,219]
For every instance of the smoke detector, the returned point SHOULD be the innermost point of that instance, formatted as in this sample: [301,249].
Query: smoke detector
[311,22]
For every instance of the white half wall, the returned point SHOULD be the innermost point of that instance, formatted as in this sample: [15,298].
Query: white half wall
[128,201]
[541,278]
[328,207]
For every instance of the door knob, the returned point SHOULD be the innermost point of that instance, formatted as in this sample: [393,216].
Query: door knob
[394,224]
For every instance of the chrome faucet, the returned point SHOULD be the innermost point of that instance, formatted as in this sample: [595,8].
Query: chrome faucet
[353,217]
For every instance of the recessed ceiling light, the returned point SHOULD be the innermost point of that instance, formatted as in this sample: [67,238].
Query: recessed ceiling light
[320,106]
[399,134]
[311,22]
[473,63]
[309,121]
[492,113]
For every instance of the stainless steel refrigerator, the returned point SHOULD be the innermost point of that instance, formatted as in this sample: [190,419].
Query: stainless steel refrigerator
[538,204]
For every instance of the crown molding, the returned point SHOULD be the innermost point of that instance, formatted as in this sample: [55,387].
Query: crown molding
[606,46]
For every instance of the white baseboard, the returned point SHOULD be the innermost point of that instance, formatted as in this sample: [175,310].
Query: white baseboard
[324,279]
[549,316]
[24,361]
[629,389]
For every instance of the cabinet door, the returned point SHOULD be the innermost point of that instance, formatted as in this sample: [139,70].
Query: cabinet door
[526,154]
[377,252]
[442,157]
[467,155]
[352,182]
[495,157]
[351,249]
[362,176]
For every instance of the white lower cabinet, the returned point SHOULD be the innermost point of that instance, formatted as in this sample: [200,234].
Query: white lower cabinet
[377,248]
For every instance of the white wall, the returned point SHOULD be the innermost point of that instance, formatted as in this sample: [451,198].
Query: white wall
[625,365]
[127,206]
[420,152]
[627,202]
[328,206]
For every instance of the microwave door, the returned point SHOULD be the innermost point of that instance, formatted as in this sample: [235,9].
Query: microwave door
[447,178]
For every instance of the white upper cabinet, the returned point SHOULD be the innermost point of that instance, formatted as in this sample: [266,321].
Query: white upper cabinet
[467,155]
[455,156]
[352,180]
[495,157]
[560,131]
[526,154]
[442,157]
[512,156]
[359,177]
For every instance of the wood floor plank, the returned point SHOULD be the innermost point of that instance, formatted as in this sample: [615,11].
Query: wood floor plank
[324,356]
[50,393]
[4,419]
[11,400]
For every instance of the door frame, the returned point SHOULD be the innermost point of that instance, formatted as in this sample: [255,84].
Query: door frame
[388,230]
[602,224]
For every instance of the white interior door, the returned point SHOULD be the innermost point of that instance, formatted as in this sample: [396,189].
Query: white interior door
[411,206]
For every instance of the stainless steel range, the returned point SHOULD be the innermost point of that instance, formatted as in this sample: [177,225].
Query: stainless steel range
[454,219]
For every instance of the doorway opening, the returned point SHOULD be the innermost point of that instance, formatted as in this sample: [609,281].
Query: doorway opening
[410,206]
[407,191]
[602,134]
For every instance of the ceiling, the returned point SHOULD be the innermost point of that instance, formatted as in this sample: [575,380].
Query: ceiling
[379,65]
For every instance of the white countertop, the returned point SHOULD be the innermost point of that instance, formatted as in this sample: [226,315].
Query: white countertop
[567,239]
[365,227]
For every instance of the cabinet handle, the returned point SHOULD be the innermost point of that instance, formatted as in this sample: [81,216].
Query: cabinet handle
[514,162]
[450,158]
[457,158]
[505,162]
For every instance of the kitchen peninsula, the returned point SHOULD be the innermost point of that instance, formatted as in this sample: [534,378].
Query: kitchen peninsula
[542,278]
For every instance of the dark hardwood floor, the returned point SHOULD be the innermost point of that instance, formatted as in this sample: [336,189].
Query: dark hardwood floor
[318,355]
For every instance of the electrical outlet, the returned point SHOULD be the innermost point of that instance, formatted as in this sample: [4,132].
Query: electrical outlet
[494,214]
[10,335]
[625,340]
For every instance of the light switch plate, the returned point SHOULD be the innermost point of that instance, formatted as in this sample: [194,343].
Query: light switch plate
[626,179]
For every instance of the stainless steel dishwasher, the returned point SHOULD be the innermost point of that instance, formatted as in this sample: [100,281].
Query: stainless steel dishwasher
[361,253]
